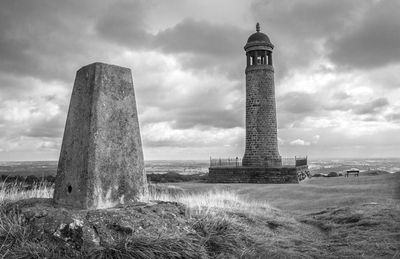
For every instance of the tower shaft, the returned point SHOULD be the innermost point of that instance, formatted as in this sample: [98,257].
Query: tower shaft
[261,124]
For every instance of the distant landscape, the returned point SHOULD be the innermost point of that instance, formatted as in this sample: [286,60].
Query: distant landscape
[187,167]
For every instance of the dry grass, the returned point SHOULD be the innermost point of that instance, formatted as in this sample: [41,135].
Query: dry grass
[236,221]
[17,191]
[210,202]
[220,234]
[313,195]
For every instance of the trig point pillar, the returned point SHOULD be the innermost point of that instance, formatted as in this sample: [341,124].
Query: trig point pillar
[261,126]
[101,161]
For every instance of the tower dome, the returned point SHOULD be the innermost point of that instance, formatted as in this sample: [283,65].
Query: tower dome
[258,39]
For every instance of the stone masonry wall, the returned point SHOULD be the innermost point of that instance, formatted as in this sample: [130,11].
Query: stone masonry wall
[253,175]
[261,124]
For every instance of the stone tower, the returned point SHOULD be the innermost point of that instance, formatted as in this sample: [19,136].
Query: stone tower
[261,126]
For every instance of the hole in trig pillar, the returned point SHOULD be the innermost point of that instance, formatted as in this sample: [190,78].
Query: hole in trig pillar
[69,188]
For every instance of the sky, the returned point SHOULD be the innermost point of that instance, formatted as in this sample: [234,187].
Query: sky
[337,73]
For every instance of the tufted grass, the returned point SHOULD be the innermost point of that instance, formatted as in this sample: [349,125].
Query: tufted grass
[17,191]
[209,202]
[217,234]
[324,218]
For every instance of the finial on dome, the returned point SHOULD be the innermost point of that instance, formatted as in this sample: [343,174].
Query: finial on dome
[258,27]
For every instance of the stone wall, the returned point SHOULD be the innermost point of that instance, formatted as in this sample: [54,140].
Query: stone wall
[261,125]
[253,175]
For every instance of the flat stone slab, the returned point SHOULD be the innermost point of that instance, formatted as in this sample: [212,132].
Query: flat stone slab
[101,161]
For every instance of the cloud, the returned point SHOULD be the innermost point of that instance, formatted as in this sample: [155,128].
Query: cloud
[50,128]
[356,104]
[203,38]
[395,117]
[336,70]
[341,95]
[299,142]
[49,40]
[124,23]
[298,103]
[188,100]
[372,42]
[164,135]
[316,139]
[197,44]
[299,29]
[372,107]
[200,45]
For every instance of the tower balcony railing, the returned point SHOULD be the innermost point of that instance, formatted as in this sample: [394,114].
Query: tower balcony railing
[237,162]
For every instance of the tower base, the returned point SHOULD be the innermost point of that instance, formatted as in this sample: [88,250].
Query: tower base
[262,175]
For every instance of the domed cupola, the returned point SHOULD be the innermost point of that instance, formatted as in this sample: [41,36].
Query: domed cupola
[259,49]
[259,38]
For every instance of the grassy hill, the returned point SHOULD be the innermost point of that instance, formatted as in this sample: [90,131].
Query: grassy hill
[338,217]
[315,193]
[355,217]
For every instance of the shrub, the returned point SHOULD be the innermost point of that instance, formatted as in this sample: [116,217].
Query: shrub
[173,177]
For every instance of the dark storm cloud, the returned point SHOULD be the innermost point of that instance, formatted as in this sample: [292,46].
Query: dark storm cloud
[200,108]
[372,42]
[294,107]
[394,117]
[298,102]
[51,128]
[340,95]
[124,23]
[47,39]
[359,34]
[297,28]
[372,107]
[201,37]
[11,87]
[164,143]
[198,45]
[199,117]
[204,46]
[305,19]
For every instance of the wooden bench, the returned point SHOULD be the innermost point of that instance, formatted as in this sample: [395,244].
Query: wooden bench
[355,172]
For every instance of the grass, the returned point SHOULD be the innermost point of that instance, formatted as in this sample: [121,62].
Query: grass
[211,202]
[217,232]
[356,217]
[17,191]
[313,194]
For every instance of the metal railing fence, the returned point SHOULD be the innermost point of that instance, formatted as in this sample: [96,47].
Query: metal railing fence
[237,162]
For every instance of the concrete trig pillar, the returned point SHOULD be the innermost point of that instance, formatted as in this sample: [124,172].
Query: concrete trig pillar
[101,161]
